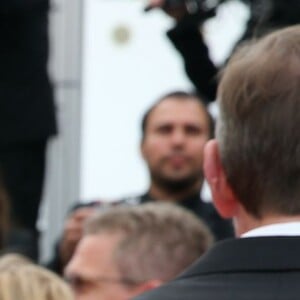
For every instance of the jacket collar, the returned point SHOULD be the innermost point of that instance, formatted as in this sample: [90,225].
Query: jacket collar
[249,254]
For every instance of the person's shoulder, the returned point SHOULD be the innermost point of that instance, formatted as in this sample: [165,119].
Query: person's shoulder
[180,289]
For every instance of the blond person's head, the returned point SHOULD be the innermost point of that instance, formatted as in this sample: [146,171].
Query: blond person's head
[13,260]
[31,282]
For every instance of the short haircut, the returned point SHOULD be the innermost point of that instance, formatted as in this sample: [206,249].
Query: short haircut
[180,96]
[259,127]
[158,240]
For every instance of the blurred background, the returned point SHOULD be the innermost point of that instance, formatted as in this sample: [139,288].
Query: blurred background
[109,61]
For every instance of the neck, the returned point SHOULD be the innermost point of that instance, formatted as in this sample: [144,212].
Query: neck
[162,193]
[244,222]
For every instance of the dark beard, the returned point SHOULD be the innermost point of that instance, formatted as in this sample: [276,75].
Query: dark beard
[173,186]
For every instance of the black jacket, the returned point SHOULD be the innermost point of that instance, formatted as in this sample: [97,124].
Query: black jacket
[26,97]
[266,268]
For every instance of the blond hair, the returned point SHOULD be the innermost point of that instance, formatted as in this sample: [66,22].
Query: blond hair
[31,282]
[12,260]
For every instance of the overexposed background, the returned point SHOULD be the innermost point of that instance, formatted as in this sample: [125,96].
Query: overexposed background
[122,76]
[109,62]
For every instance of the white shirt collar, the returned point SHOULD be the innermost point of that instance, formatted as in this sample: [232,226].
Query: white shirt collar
[279,229]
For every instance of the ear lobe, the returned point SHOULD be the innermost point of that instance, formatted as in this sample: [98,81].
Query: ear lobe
[223,196]
[210,163]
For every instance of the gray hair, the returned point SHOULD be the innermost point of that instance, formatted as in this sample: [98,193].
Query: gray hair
[158,240]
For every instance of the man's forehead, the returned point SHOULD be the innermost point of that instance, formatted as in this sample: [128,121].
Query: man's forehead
[102,240]
[87,259]
[174,109]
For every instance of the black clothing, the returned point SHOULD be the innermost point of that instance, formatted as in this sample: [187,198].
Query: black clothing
[26,96]
[265,16]
[27,113]
[23,170]
[220,228]
[205,211]
[248,268]
[187,39]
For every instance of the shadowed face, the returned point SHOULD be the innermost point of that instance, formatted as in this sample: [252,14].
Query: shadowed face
[93,273]
[173,144]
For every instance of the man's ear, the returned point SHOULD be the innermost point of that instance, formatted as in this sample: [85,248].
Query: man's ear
[142,149]
[223,197]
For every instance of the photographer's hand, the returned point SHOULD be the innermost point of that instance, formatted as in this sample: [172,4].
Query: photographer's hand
[72,233]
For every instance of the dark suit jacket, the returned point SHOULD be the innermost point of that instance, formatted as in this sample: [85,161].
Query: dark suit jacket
[26,96]
[266,268]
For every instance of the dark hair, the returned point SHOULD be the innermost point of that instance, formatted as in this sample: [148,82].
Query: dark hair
[259,128]
[182,96]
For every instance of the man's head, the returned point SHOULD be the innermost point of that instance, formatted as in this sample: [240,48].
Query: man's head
[128,250]
[258,136]
[174,131]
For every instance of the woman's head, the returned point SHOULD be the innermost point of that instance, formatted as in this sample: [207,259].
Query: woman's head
[31,282]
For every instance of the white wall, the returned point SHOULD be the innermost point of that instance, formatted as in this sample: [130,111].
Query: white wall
[63,173]
[121,79]
[102,91]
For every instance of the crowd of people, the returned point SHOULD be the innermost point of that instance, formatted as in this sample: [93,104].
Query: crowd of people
[174,131]
[168,243]
[253,169]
